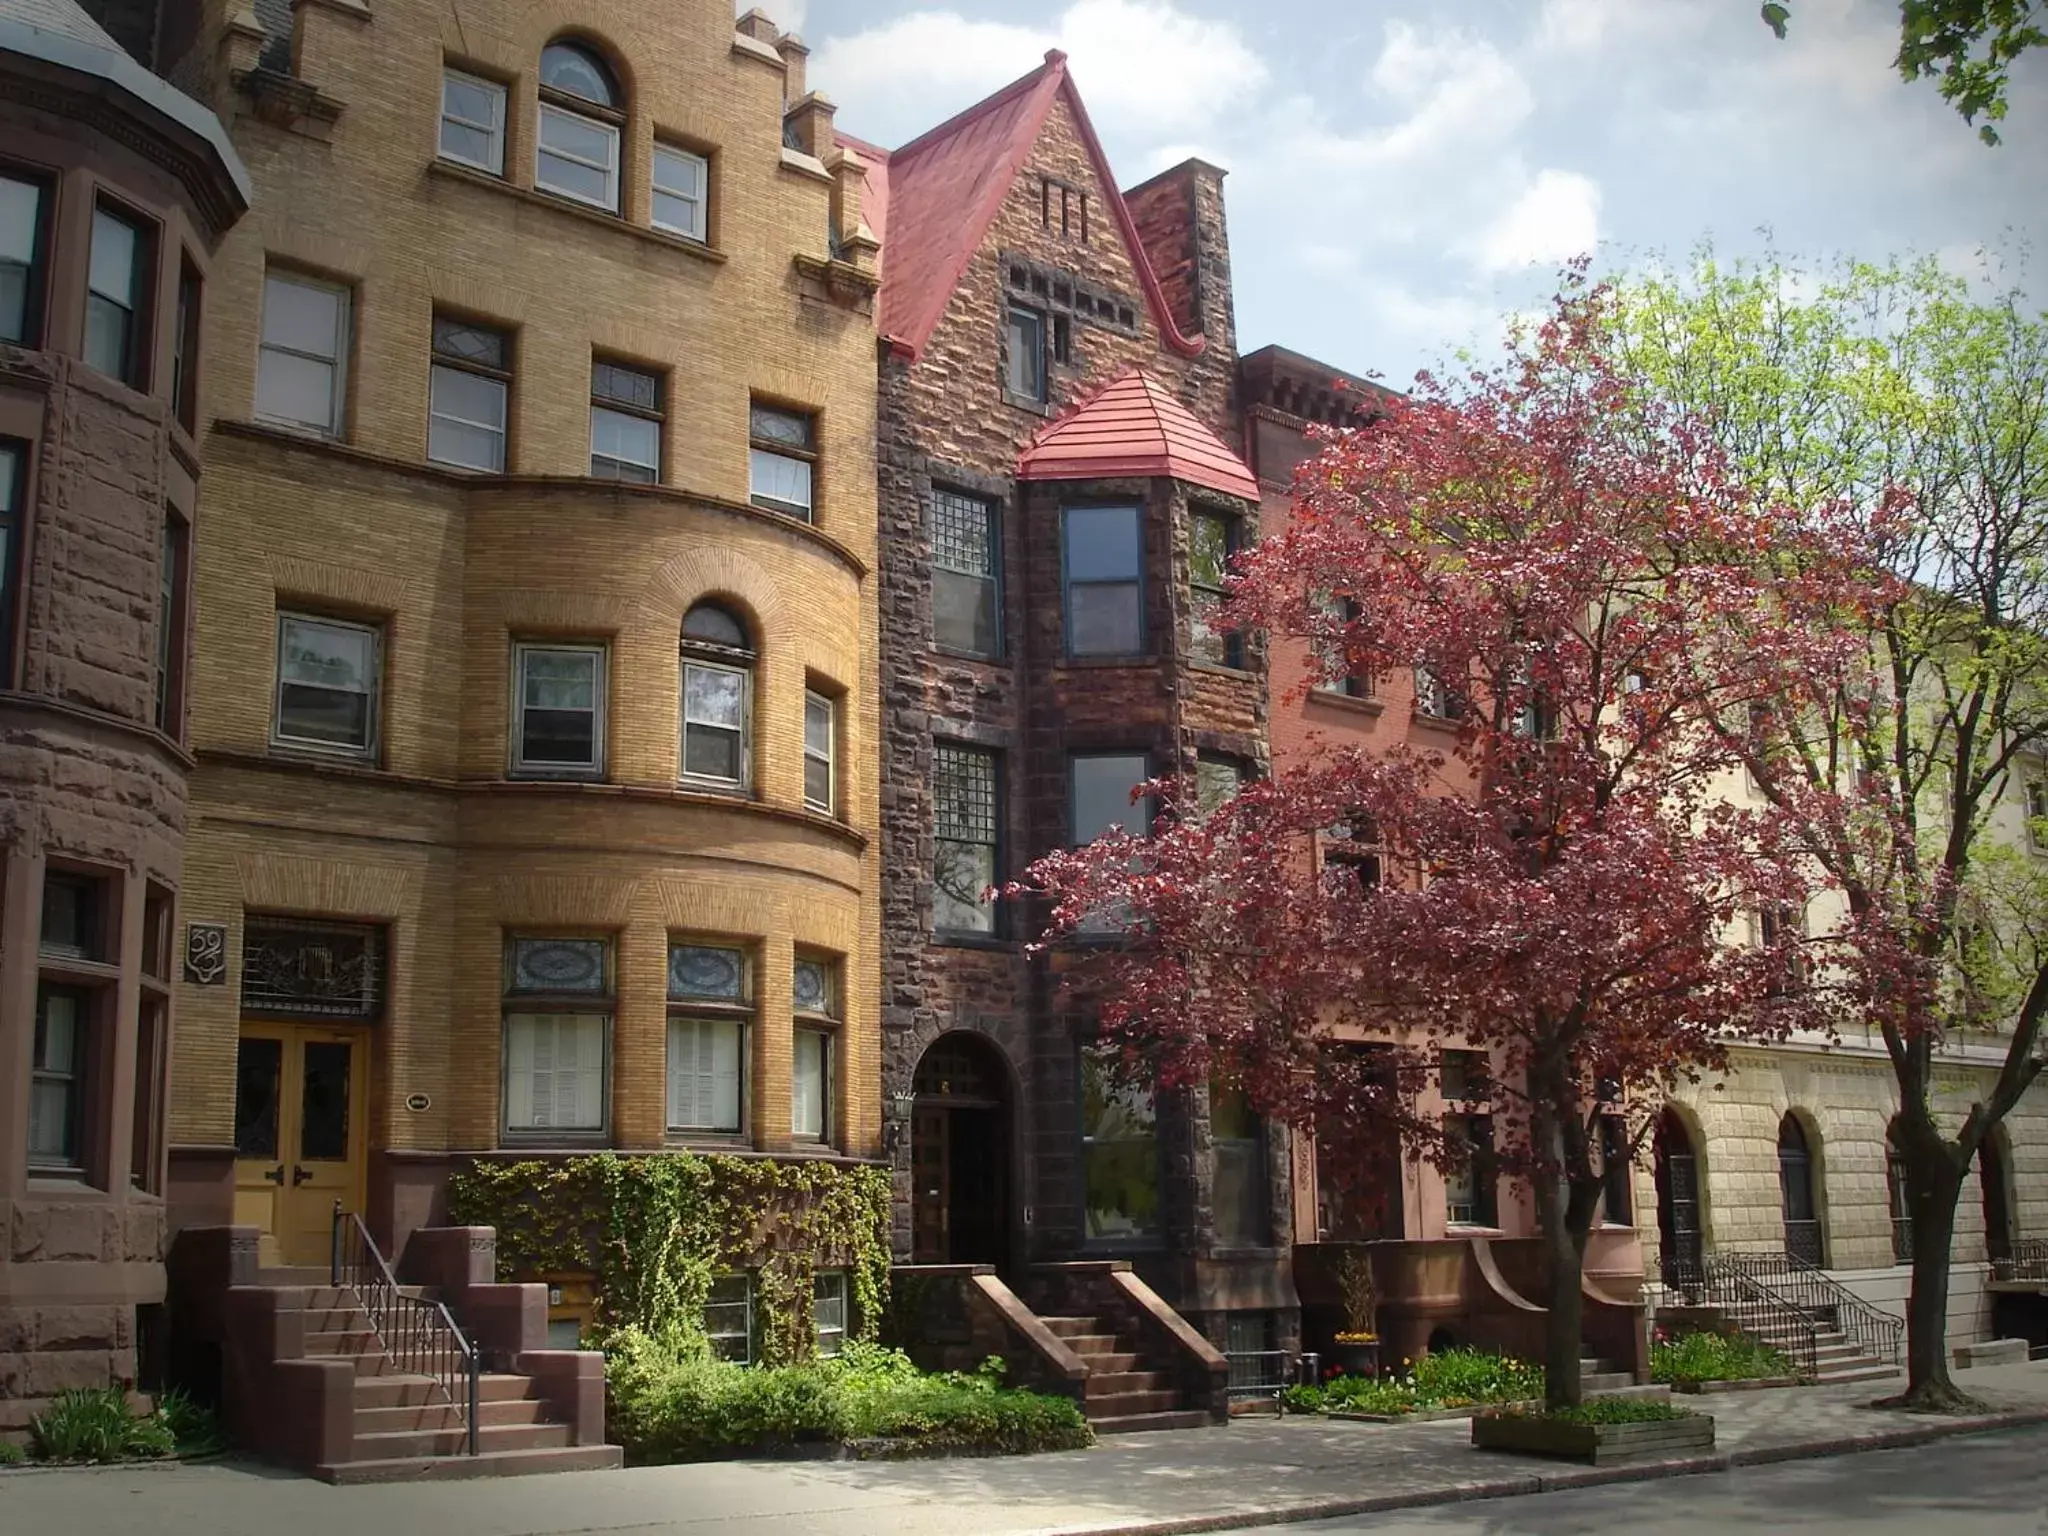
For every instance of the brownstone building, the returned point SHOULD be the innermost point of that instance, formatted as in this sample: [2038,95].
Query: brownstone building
[1057,503]
[115,191]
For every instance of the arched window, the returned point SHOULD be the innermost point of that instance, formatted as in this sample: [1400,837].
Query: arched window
[576,150]
[1680,1239]
[1901,1202]
[718,689]
[1795,1189]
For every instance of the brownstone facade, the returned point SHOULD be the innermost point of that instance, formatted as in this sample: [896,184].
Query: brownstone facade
[118,190]
[984,1097]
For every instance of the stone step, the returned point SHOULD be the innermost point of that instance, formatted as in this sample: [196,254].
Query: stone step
[334,1319]
[296,1274]
[397,1390]
[1066,1326]
[403,1418]
[391,1445]
[351,1341]
[500,1387]
[1109,1365]
[1605,1381]
[1085,1344]
[406,1469]
[1870,1370]
[1135,1423]
[1129,1405]
[1110,1383]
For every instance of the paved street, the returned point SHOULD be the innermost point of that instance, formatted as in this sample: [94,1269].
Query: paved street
[1253,1471]
[1990,1485]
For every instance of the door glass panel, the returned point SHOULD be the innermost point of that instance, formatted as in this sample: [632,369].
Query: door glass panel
[259,1073]
[323,1121]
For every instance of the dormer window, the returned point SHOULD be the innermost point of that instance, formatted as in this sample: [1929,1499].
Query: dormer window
[576,152]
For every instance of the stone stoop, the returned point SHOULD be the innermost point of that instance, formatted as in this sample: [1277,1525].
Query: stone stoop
[1124,1392]
[1837,1362]
[405,1426]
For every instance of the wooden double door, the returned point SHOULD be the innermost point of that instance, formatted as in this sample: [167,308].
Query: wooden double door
[301,1143]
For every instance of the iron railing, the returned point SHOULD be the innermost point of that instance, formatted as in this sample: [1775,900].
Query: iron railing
[1259,1374]
[1803,1241]
[2028,1261]
[419,1335]
[1877,1334]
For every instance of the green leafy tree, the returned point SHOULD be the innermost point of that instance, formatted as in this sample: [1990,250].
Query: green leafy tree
[1908,418]
[1970,46]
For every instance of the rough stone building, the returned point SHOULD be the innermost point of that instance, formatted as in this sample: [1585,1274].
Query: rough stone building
[1057,501]
[115,191]
[535,801]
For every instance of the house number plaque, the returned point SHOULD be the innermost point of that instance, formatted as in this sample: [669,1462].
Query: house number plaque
[206,954]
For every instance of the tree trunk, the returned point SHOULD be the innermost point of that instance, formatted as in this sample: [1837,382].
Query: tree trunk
[1563,1341]
[1931,1195]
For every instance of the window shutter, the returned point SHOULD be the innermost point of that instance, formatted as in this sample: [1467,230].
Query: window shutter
[519,1072]
[542,1072]
[724,1074]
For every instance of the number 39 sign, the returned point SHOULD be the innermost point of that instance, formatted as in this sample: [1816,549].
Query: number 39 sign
[206,953]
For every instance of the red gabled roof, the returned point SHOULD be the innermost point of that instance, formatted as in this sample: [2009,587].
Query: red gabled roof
[1134,426]
[931,202]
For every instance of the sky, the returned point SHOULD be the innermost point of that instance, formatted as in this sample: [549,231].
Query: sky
[1406,174]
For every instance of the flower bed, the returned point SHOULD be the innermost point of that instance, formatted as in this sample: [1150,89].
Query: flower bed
[1691,1360]
[1450,1380]
[668,1401]
[97,1424]
[1602,1430]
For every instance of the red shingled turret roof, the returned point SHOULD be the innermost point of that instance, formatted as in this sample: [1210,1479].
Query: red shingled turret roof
[931,202]
[1134,426]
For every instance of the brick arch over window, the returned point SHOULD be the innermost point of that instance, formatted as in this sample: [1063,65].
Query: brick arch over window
[714,574]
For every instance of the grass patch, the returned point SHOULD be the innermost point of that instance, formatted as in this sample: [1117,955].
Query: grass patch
[669,1401]
[1450,1378]
[1696,1357]
[1607,1410]
[11,1455]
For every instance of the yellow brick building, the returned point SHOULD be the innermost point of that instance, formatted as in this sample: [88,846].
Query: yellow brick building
[542,383]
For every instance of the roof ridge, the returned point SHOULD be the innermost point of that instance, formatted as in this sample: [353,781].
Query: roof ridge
[1054,61]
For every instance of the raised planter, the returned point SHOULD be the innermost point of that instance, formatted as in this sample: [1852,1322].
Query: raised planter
[1531,1435]
[1361,1358]
[1752,1384]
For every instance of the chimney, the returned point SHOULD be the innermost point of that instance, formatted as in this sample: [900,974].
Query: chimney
[794,53]
[755,24]
[1179,216]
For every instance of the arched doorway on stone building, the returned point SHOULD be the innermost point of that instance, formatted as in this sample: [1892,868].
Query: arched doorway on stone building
[1681,1238]
[1797,1192]
[960,1153]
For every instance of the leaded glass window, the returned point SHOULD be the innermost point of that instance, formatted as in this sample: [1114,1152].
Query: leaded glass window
[966,580]
[707,973]
[559,966]
[965,838]
[312,970]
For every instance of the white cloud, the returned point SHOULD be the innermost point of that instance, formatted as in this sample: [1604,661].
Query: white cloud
[1556,218]
[1143,66]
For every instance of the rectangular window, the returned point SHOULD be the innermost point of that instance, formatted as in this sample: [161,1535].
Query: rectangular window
[828,1311]
[74,918]
[116,300]
[145,1116]
[170,624]
[22,207]
[1464,1077]
[1212,540]
[783,452]
[1615,1204]
[814,995]
[473,121]
[185,350]
[1119,1154]
[1351,855]
[328,677]
[1469,1188]
[1104,586]
[681,180]
[470,384]
[578,158]
[716,703]
[965,838]
[1025,376]
[558,698]
[13,492]
[1238,1154]
[301,367]
[710,995]
[1435,698]
[625,423]
[729,1318]
[821,734]
[557,1033]
[966,588]
[1102,785]
[1334,674]
[57,1073]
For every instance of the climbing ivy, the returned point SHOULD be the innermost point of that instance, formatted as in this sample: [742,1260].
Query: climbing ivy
[655,1231]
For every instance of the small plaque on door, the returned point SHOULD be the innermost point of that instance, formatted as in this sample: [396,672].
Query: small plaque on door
[206,954]
[418,1103]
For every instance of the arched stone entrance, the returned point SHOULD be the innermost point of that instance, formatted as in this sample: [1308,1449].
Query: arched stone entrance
[1796,1193]
[1680,1234]
[960,1154]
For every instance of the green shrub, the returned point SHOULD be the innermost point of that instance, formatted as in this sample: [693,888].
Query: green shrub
[1703,1356]
[195,1428]
[94,1424]
[1451,1378]
[1613,1410]
[11,1454]
[670,1401]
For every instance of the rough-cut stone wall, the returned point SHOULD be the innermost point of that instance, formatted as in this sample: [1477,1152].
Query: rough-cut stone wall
[946,420]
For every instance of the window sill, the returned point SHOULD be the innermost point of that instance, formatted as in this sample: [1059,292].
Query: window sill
[1472,1229]
[994,943]
[449,171]
[707,1141]
[979,658]
[1222,669]
[64,1184]
[325,757]
[1361,704]
[1028,403]
[1089,663]
[1441,724]
[555,1141]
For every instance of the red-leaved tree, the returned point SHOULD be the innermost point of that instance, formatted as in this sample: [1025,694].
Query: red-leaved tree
[1559,882]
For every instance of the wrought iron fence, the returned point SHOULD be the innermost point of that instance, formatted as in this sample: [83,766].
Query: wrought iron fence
[2028,1261]
[1803,1241]
[1745,1303]
[1259,1374]
[419,1335]
[1877,1334]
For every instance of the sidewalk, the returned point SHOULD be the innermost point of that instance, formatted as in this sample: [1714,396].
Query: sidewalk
[1258,1471]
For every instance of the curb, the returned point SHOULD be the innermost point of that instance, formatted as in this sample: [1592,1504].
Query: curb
[1561,1481]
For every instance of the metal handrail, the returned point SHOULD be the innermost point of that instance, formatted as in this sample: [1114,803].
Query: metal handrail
[2028,1261]
[1877,1334]
[419,1335]
[1746,1304]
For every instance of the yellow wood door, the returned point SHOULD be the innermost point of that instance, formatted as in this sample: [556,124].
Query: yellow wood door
[300,1141]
